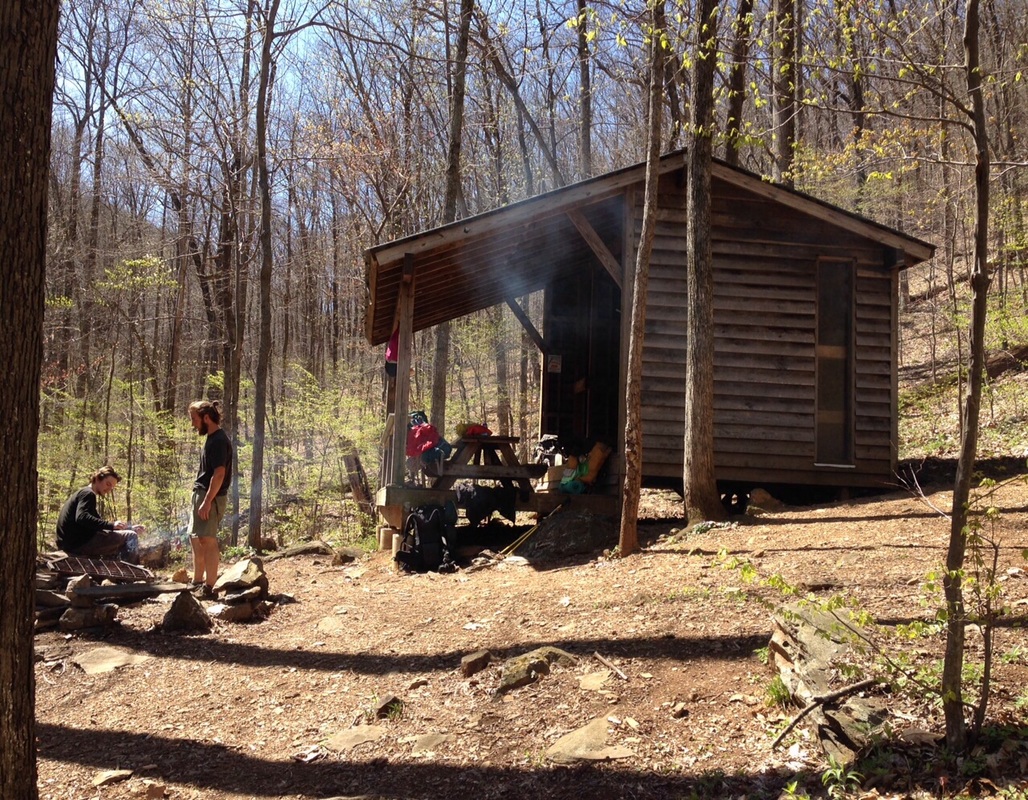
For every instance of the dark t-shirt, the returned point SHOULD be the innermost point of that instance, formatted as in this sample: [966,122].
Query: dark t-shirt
[79,520]
[217,452]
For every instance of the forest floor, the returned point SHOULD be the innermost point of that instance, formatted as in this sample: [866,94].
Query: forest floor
[264,709]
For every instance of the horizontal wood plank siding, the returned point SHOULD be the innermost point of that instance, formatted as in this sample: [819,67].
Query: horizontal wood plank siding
[765,261]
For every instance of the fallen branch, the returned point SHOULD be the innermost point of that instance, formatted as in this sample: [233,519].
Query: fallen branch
[304,548]
[820,699]
[610,666]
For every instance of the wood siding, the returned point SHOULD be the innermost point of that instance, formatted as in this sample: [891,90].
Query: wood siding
[765,311]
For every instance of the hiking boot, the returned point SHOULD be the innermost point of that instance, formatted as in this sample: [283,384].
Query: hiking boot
[202,591]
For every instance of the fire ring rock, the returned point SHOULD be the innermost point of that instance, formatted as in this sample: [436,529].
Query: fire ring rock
[186,615]
[527,668]
[243,575]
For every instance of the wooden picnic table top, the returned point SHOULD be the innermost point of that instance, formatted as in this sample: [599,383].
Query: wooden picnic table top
[488,438]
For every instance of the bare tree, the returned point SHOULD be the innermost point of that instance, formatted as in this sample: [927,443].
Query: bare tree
[956,617]
[493,53]
[628,538]
[458,89]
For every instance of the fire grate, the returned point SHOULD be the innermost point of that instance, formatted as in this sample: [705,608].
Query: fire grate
[100,568]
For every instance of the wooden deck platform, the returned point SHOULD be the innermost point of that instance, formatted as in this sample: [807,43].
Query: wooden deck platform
[391,502]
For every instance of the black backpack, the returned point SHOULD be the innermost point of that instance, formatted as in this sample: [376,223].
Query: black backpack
[428,535]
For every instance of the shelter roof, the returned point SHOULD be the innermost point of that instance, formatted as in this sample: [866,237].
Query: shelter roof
[499,255]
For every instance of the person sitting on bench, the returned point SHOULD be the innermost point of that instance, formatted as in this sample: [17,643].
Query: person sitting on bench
[82,531]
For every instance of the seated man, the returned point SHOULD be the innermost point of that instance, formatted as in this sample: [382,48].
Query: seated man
[81,531]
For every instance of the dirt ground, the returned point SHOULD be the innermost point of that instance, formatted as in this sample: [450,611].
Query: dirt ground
[250,710]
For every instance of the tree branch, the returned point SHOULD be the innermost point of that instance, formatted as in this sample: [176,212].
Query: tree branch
[821,699]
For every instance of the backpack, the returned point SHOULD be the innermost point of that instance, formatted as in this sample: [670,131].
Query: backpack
[428,534]
[420,438]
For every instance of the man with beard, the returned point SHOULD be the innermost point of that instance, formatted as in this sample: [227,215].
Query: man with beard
[210,493]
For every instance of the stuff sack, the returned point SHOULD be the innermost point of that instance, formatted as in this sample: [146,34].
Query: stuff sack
[426,541]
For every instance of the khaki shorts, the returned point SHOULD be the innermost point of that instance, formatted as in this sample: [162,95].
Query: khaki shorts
[207,527]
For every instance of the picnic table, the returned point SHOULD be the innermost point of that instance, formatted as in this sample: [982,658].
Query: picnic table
[487,458]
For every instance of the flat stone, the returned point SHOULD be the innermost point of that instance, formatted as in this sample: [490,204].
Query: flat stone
[251,595]
[594,681]
[527,668]
[112,776]
[805,644]
[429,743]
[107,659]
[346,555]
[50,599]
[154,791]
[362,734]
[244,574]
[588,743]
[388,706]
[331,626]
[920,737]
[75,619]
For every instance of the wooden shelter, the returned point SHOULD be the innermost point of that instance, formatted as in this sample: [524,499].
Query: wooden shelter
[805,309]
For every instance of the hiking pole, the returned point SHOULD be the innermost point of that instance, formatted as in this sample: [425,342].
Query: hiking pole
[509,549]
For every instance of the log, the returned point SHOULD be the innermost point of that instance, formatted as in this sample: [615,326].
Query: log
[131,591]
[307,548]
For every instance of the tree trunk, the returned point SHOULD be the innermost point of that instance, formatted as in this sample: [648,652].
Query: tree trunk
[492,53]
[784,89]
[440,365]
[29,27]
[628,539]
[702,501]
[585,92]
[264,347]
[504,414]
[90,262]
[846,40]
[235,313]
[742,31]
[953,663]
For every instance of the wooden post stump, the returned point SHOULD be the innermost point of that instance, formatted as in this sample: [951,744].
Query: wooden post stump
[385,537]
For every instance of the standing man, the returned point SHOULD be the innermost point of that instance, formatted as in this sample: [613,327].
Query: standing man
[210,493]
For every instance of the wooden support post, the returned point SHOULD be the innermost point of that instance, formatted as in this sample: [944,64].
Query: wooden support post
[401,408]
